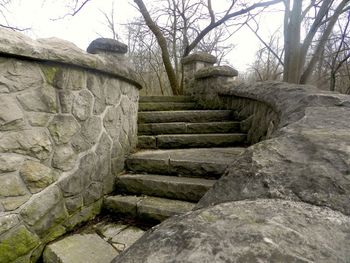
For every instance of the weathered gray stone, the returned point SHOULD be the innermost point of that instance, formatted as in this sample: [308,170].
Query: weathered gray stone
[112,122]
[91,129]
[10,162]
[107,45]
[92,193]
[73,203]
[64,157]
[103,172]
[17,75]
[13,202]
[112,89]
[37,176]
[41,204]
[95,84]
[80,144]
[38,119]
[40,100]
[71,79]
[82,106]
[66,98]
[146,207]
[83,214]
[79,248]
[127,237]
[12,185]
[199,57]
[11,116]
[164,106]
[75,183]
[109,230]
[169,141]
[190,189]
[217,71]
[184,116]
[62,128]
[35,142]
[50,226]
[247,231]
[57,50]
[16,243]
[7,222]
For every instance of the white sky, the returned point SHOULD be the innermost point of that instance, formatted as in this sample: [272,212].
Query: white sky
[89,24]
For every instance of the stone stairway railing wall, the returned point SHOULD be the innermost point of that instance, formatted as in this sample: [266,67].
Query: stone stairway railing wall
[286,198]
[67,120]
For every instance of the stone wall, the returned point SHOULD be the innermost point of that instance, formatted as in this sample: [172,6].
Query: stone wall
[67,121]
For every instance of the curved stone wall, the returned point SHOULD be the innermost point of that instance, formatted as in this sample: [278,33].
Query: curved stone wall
[285,199]
[67,121]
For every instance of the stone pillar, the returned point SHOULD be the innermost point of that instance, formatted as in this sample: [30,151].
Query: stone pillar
[191,64]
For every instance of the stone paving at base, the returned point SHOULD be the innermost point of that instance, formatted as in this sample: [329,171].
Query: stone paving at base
[99,243]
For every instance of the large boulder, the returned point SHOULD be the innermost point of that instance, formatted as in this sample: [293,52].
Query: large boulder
[247,231]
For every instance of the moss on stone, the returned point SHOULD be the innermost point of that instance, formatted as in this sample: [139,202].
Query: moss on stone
[50,73]
[18,242]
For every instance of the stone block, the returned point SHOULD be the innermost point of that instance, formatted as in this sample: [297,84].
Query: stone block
[37,176]
[10,162]
[113,91]
[79,248]
[34,142]
[62,128]
[16,243]
[82,105]
[113,122]
[39,100]
[71,79]
[64,157]
[38,119]
[18,75]
[66,98]
[91,129]
[41,204]
[12,185]
[13,202]
[11,116]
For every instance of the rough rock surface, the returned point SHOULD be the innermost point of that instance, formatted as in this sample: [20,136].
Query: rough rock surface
[247,231]
[80,249]
[307,156]
[55,151]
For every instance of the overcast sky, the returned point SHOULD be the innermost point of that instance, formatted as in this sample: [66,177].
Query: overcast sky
[89,24]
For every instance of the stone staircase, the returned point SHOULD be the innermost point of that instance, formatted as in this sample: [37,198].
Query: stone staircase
[182,151]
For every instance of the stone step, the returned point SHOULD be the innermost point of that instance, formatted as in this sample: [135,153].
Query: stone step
[174,187]
[146,207]
[191,140]
[165,99]
[166,106]
[202,162]
[186,127]
[185,116]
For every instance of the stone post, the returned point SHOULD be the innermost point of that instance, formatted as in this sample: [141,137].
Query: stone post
[191,64]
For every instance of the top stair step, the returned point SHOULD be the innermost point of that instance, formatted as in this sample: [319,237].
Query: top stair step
[165,99]
[166,106]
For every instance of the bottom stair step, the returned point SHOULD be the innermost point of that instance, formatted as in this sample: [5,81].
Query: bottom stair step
[182,188]
[146,207]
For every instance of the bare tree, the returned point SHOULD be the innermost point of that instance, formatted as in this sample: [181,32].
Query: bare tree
[299,59]
[191,35]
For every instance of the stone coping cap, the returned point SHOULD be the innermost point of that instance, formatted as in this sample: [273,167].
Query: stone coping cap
[199,56]
[107,45]
[216,71]
[15,44]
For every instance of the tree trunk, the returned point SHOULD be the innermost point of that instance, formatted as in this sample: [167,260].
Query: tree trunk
[162,44]
[292,42]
